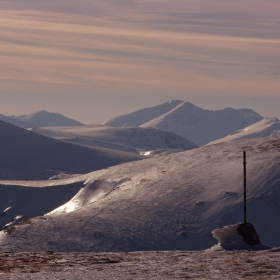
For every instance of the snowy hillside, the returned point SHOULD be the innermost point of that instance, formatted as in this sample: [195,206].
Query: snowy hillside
[203,126]
[264,128]
[144,115]
[40,119]
[27,155]
[129,139]
[171,202]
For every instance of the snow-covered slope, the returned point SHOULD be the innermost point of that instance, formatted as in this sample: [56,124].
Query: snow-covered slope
[144,115]
[40,119]
[27,155]
[130,139]
[203,126]
[171,202]
[263,128]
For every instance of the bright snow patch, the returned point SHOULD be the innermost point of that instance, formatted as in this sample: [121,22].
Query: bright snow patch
[146,153]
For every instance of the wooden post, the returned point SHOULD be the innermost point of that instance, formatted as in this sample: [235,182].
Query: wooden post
[245,186]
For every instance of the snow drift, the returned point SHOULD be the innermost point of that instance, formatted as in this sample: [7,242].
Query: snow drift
[230,239]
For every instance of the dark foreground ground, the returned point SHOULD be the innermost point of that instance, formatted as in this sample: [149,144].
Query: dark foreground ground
[209,264]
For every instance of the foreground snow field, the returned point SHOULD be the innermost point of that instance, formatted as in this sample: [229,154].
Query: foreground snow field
[170,202]
[209,264]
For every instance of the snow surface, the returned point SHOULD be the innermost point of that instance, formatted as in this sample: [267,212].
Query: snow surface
[264,128]
[40,119]
[146,141]
[144,115]
[209,264]
[170,202]
[30,156]
[203,126]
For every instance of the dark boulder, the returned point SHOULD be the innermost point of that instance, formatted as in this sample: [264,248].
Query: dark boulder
[249,234]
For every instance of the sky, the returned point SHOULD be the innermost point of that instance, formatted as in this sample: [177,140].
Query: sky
[93,60]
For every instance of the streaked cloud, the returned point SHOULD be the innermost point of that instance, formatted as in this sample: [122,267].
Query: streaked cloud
[185,46]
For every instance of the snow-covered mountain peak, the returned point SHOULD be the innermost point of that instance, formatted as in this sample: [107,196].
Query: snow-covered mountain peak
[142,116]
[35,115]
[202,126]
[40,118]
[197,125]
[175,102]
[264,128]
[38,113]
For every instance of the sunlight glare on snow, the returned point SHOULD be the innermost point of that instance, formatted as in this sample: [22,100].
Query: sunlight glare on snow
[146,153]
[78,201]
[70,206]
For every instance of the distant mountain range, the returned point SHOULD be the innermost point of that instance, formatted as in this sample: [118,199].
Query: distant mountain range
[189,121]
[196,125]
[40,119]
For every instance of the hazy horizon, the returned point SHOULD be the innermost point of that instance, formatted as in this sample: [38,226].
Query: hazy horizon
[97,59]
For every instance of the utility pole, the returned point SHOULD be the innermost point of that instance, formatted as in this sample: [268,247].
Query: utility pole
[245,186]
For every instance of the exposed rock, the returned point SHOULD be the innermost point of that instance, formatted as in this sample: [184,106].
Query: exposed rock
[249,234]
